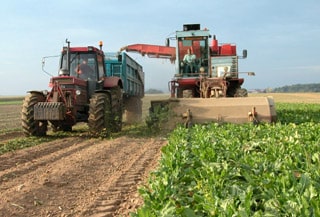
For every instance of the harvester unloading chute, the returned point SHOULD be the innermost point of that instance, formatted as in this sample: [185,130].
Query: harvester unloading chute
[207,86]
[156,51]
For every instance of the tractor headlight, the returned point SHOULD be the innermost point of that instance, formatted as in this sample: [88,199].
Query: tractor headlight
[63,72]
[78,92]
[201,69]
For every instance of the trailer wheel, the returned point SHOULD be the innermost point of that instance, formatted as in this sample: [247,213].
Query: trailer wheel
[30,126]
[133,109]
[100,114]
[117,108]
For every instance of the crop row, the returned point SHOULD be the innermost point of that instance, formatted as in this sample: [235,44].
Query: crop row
[240,170]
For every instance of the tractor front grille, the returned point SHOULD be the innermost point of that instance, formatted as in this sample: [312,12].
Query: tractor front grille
[49,111]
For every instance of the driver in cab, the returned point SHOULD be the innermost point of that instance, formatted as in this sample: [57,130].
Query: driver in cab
[189,62]
[83,70]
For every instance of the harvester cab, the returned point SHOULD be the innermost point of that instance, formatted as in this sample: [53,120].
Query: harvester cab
[207,85]
[205,70]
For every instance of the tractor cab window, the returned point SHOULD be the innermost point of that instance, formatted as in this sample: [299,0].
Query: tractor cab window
[81,65]
[100,67]
[193,56]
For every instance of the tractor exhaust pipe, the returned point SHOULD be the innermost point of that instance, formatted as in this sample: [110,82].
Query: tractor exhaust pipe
[68,56]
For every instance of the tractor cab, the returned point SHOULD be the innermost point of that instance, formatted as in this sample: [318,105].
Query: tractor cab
[86,63]
[82,65]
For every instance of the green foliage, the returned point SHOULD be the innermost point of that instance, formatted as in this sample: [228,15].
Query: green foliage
[21,143]
[298,113]
[240,170]
[159,115]
[25,142]
[138,130]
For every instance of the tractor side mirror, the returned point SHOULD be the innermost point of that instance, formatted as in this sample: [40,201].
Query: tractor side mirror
[119,58]
[244,53]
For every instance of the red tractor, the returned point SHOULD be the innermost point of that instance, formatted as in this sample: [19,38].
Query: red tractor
[82,92]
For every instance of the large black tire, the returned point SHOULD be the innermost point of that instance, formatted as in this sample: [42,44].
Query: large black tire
[187,93]
[133,110]
[241,92]
[100,113]
[30,126]
[179,92]
[117,108]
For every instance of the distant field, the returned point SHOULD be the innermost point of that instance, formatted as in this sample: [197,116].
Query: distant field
[292,97]
[278,97]
[11,100]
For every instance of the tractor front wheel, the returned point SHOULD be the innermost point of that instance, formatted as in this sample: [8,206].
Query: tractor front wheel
[30,126]
[100,113]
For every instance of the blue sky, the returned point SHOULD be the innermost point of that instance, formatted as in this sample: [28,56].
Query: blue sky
[282,37]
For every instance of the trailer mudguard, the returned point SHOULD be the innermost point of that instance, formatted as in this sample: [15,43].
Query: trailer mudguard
[113,81]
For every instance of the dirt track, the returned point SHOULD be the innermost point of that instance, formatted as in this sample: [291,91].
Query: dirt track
[77,177]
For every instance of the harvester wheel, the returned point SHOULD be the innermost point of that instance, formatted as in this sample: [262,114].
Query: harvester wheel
[133,110]
[100,113]
[117,108]
[179,93]
[187,94]
[30,126]
[241,92]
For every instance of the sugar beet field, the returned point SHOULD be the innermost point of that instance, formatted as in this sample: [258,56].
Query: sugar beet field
[228,169]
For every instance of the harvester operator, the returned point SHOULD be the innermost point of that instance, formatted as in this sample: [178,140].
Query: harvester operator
[189,62]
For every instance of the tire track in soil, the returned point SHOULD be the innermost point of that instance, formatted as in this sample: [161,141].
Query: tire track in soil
[76,177]
[124,183]
[30,156]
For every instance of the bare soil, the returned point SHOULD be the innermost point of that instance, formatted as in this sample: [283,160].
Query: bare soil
[73,176]
[77,177]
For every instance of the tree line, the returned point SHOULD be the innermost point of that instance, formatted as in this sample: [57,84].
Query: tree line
[298,88]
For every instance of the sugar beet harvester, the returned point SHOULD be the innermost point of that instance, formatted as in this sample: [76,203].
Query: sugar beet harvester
[207,86]
[91,87]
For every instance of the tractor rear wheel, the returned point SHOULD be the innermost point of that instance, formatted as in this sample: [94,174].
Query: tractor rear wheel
[30,126]
[100,113]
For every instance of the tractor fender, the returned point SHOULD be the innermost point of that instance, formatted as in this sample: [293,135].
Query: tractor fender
[43,92]
[110,82]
